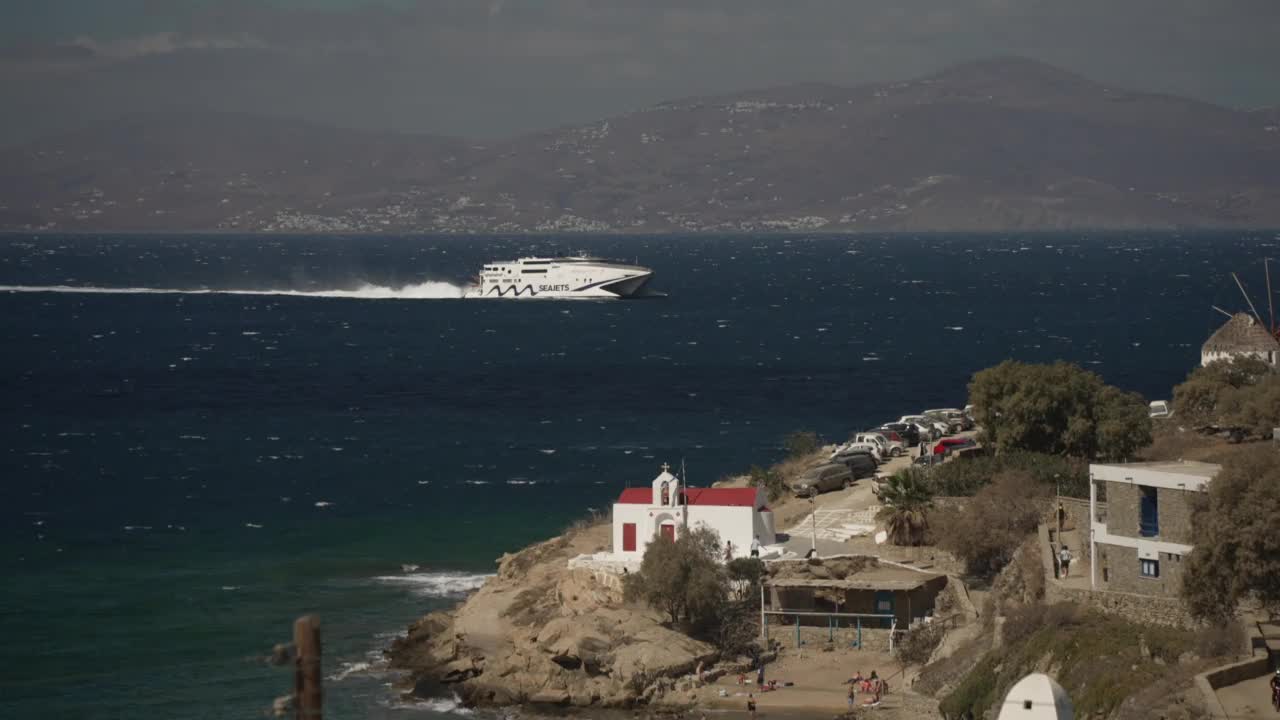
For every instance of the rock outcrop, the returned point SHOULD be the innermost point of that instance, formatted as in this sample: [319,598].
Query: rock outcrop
[541,633]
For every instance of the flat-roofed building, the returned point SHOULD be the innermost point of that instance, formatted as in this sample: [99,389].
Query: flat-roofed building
[1138,543]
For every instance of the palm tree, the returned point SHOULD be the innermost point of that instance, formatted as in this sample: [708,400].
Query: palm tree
[905,498]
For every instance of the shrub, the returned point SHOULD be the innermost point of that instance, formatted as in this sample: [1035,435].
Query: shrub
[769,479]
[917,646]
[747,571]
[965,478]
[801,443]
[986,531]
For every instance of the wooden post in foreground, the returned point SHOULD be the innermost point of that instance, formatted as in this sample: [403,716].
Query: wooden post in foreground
[306,684]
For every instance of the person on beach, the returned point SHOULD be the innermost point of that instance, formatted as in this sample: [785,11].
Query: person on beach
[755,546]
[760,676]
[853,696]
[751,705]
[1064,558]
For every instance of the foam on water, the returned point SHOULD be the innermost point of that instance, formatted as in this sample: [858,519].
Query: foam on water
[429,290]
[438,584]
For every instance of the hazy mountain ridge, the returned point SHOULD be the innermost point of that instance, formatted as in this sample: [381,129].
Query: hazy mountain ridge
[999,144]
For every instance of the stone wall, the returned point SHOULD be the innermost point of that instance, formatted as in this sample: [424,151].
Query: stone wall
[1175,514]
[1173,508]
[1146,609]
[1122,509]
[1075,514]
[1119,570]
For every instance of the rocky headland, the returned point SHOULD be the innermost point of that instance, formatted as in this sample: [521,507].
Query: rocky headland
[540,632]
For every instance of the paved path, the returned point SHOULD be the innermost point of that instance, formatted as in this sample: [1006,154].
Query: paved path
[834,510]
[1248,699]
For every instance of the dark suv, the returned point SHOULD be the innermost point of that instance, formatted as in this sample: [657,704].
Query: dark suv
[910,433]
[832,476]
[860,465]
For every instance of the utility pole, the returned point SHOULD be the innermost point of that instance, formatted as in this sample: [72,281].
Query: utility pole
[306,680]
[814,516]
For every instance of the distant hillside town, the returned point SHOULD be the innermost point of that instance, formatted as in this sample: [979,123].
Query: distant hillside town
[994,145]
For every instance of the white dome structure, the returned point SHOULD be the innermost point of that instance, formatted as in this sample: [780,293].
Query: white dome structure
[1036,697]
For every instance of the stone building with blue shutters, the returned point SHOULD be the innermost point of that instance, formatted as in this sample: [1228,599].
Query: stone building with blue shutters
[1139,540]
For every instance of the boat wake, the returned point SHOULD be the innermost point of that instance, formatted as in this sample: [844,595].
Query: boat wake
[429,290]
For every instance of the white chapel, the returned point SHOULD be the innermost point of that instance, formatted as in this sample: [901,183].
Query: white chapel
[737,515]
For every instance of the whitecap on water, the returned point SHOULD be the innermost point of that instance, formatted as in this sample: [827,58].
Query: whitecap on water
[451,705]
[437,584]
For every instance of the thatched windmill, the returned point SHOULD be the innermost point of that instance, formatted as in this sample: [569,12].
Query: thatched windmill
[1245,334]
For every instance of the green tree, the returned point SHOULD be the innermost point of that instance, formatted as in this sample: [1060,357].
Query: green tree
[1211,395]
[906,499]
[986,531]
[683,578]
[1058,409]
[1237,546]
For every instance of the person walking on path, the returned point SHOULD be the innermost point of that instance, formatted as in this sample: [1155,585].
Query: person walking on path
[1064,558]
[853,696]
[751,705]
[755,546]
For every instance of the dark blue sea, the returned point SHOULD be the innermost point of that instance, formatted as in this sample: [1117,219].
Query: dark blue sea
[184,473]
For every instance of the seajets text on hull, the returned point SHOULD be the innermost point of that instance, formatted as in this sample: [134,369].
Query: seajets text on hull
[566,277]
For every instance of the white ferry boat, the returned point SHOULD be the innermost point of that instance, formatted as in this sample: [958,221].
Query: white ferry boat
[565,277]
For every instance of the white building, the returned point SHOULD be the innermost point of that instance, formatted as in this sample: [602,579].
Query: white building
[737,515]
[1036,697]
[1241,336]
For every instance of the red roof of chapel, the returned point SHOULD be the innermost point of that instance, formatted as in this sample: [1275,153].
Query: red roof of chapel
[723,497]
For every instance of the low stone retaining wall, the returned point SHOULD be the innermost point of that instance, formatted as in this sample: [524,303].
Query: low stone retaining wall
[1146,609]
[1208,683]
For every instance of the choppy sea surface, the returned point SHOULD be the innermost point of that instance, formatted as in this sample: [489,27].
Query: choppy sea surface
[204,437]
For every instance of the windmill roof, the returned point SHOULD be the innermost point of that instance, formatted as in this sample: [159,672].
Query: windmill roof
[1242,333]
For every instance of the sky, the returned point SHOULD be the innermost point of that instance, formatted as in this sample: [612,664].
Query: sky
[496,68]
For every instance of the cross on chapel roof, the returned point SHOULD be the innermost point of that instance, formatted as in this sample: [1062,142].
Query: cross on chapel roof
[666,467]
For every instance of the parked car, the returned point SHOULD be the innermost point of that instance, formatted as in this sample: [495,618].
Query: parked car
[844,456]
[1160,410]
[909,432]
[868,447]
[930,428]
[891,435]
[942,420]
[888,448]
[860,466]
[958,417]
[948,444]
[832,476]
